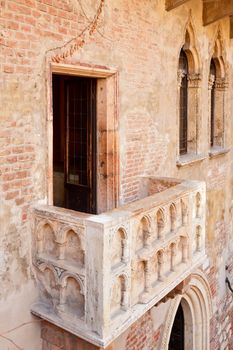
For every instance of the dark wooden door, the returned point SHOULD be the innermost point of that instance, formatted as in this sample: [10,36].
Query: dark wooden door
[74,142]
[177,334]
[80,154]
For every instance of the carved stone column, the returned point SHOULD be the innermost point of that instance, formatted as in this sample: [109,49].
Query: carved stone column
[147,236]
[173,256]
[147,276]
[194,113]
[125,299]
[61,250]
[172,218]
[198,239]
[184,209]
[185,251]
[160,256]
[62,301]
[210,87]
[220,88]
[198,206]
[125,251]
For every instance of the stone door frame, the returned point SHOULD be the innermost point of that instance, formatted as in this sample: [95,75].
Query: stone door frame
[107,130]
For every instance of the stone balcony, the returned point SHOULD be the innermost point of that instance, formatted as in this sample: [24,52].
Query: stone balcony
[97,274]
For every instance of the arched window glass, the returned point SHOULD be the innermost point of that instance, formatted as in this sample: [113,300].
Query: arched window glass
[212,101]
[183,108]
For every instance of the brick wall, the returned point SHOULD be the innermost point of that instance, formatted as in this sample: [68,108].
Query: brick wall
[142,334]
[142,43]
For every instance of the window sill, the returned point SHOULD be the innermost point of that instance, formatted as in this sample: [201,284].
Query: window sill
[189,159]
[218,151]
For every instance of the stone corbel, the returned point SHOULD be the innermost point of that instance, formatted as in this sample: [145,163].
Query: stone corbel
[184,286]
[180,289]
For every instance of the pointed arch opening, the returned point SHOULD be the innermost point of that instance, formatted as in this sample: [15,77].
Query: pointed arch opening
[176,341]
[188,94]
[217,88]
[196,306]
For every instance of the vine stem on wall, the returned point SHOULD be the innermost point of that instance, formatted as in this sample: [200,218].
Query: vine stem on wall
[77,42]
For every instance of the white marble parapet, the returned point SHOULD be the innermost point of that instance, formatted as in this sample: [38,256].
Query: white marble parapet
[97,274]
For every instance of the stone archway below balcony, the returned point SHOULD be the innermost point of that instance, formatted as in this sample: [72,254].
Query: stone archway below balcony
[197,309]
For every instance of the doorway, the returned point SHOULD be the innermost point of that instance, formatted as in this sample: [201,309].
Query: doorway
[74,142]
[176,341]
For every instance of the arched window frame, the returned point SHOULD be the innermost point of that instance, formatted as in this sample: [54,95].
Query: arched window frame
[193,96]
[212,82]
[217,90]
[183,102]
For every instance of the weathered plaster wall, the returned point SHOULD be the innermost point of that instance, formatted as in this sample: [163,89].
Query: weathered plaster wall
[142,41]
[16,322]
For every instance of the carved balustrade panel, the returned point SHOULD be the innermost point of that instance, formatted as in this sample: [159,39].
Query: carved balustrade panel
[59,259]
[97,274]
[164,243]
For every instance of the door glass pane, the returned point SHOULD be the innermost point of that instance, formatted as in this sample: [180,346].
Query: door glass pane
[78,110]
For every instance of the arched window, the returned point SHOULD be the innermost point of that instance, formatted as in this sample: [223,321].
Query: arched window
[188,100]
[183,107]
[212,80]
[217,89]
